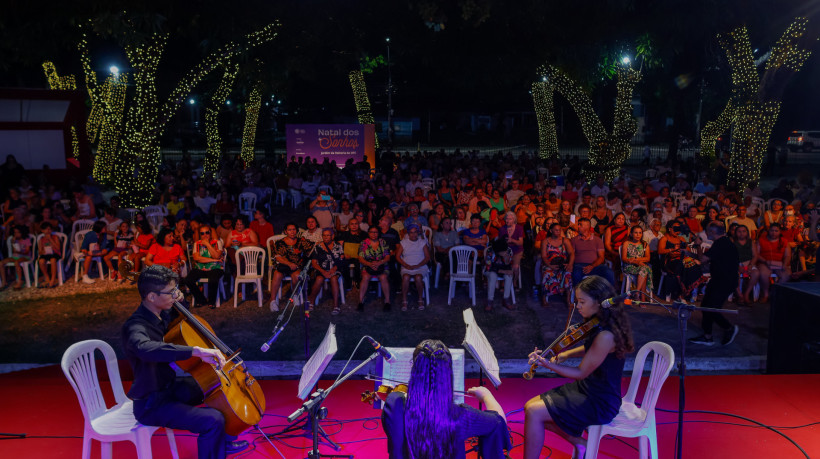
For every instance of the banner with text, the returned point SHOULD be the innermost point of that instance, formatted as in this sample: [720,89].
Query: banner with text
[334,142]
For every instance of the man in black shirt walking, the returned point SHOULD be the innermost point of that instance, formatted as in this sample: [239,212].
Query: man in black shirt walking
[723,260]
[160,397]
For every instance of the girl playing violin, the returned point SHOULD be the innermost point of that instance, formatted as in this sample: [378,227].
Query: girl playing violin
[595,395]
[425,423]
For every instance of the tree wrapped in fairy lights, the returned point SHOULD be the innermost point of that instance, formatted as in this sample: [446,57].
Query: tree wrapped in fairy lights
[607,150]
[213,149]
[545,115]
[755,102]
[360,97]
[133,168]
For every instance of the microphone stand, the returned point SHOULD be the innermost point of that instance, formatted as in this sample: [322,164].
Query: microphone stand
[684,313]
[317,412]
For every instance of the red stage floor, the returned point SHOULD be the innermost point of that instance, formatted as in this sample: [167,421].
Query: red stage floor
[42,404]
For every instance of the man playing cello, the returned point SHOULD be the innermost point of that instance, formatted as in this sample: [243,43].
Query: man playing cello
[160,397]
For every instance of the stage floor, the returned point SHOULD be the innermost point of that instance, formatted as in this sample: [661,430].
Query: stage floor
[41,404]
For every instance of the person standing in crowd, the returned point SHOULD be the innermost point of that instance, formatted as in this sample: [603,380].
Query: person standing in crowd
[594,397]
[426,423]
[723,261]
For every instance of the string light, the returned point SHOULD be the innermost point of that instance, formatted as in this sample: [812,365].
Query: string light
[754,104]
[55,81]
[75,143]
[213,151]
[251,119]
[607,151]
[137,158]
[360,97]
[545,116]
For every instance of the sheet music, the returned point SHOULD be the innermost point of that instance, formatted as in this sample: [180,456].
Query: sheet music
[398,371]
[479,347]
[314,367]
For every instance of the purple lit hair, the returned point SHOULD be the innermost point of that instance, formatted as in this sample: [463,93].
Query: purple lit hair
[429,416]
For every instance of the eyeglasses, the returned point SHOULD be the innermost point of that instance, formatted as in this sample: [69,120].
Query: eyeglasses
[172,292]
[202,233]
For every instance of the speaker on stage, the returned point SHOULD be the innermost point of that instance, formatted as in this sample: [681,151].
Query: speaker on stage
[794,328]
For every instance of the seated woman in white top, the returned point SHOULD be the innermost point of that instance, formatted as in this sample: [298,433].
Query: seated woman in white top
[413,254]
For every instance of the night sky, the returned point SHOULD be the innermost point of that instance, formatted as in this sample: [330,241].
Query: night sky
[447,57]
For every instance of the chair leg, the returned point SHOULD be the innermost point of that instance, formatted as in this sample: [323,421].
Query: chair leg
[235,293]
[259,291]
[172,442]
[86,446]
[105,450]
[472,291]
[450,292]
[593,441]
[143,442]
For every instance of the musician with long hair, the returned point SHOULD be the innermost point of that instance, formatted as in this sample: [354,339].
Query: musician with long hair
[427,424]
[595,396]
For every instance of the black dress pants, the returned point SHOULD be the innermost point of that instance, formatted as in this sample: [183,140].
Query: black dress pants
[717,292]
[176,407]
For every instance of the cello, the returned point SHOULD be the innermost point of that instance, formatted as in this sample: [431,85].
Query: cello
[230,389]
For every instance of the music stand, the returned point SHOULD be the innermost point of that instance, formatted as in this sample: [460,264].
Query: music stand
[311,372]
[477,344]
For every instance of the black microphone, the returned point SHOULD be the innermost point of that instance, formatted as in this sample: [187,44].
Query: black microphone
[276,332]
[386,355]
[608,303]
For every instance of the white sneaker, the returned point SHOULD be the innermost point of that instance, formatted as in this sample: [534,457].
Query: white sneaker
[87,280]
[274,306]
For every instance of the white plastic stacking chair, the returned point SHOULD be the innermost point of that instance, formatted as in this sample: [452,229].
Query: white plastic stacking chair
[341,290]
[79,257]
[249,258]
[463,261]
[64,244]
[157,209]
[25,266]
[633,420]
[101,423]
[247,204]
[79,225]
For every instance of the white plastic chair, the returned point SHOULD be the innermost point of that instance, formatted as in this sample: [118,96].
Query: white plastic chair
[247,204]
[64,244]
[632,420]
[101,423]
[250,258]
[26,265]
[269,245]
[157,209]
[79,257]
[341,290]
[463,259]
[79,225]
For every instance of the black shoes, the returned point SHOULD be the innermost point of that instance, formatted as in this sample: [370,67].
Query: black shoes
[236,446]
[386,307]
[703,340]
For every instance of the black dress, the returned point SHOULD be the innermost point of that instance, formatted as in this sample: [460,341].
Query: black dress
[593,400]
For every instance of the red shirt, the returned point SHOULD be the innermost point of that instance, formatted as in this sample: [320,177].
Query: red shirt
[263,232]
[166,256]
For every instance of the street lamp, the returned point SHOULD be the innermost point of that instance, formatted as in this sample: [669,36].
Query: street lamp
[114,69]
[625,60]
[389,98]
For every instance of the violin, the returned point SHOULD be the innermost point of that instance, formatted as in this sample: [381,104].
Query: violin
[382,392]
[573,335]
[230,389]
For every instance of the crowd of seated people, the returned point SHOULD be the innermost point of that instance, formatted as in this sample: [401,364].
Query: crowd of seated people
[527,218]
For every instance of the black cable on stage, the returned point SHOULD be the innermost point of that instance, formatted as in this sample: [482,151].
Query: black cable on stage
[759,424]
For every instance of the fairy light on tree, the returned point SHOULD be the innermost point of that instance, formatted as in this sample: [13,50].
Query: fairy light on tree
[55,81]
[360,97]
[547,138]
[607,150]
[251,120]
[755,101]
[213,151]
[138,155]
